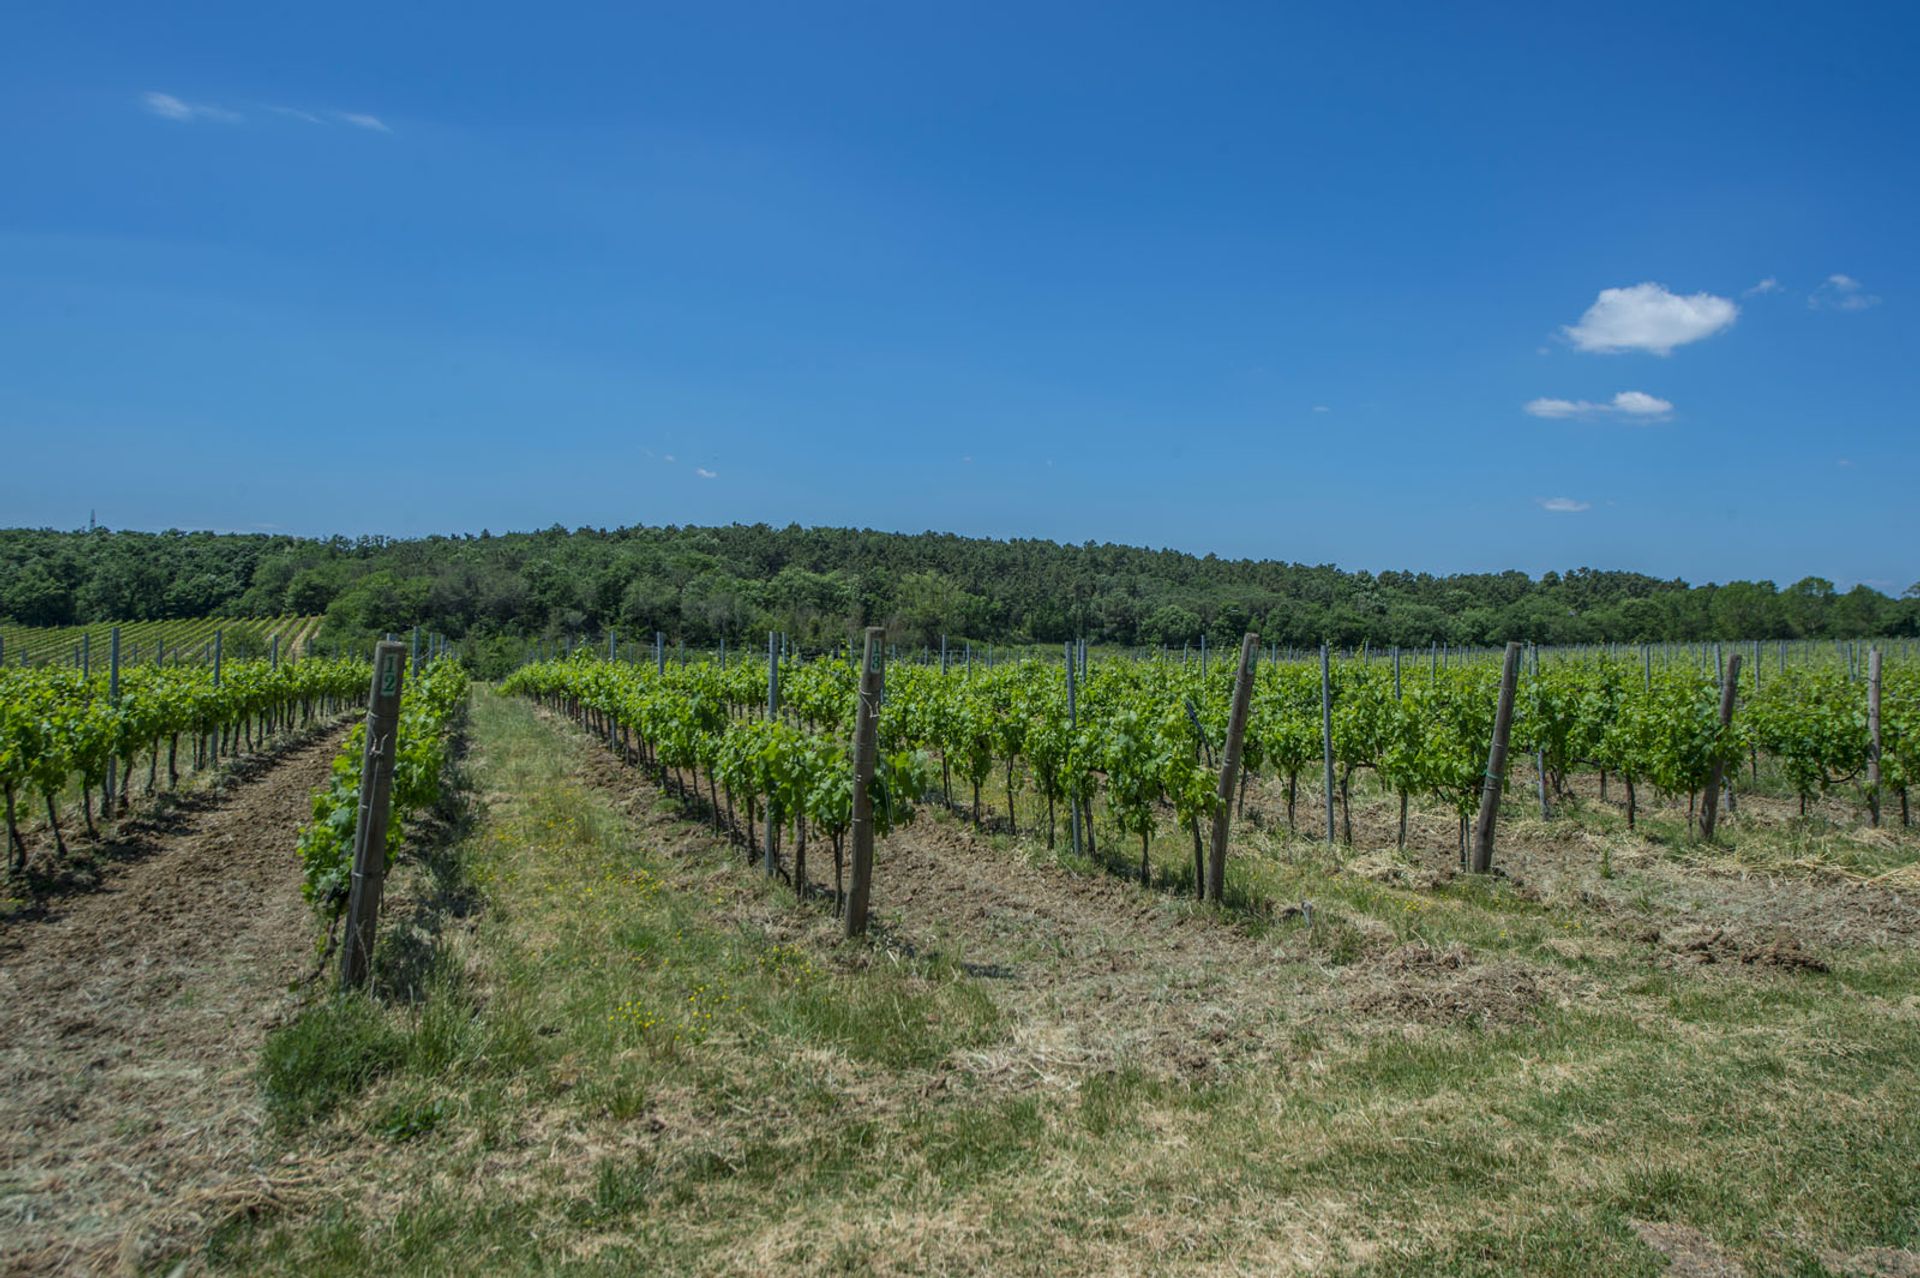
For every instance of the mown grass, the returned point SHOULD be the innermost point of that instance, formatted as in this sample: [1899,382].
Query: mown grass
[642,1058]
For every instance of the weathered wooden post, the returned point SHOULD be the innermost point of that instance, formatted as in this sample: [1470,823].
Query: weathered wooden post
[1540,754]
[1073,800]
[866,734]
[1326,736]
[770,857]
[1230,767]
[1496,765]
[113,699]
[1710,801]
[1873,734]
[376,808]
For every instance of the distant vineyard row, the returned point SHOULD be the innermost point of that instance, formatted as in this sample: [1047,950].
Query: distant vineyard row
[141,641]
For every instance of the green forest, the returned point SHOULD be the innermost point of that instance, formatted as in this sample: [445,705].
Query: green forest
[701,585]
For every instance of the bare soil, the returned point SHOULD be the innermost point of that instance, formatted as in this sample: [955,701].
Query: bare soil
[132,1018]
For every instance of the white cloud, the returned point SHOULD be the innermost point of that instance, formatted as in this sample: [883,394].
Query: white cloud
[1564,505]
[704,473]
[1321,408]
[297,114]
[1841,293]
[1764,287]
[1647,317]
[1631,403]
[1641,404]
[168,107]
[668,458]
[360,120]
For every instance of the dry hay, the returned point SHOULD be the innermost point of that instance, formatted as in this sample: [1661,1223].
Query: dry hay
[1416,982]
[1710,945]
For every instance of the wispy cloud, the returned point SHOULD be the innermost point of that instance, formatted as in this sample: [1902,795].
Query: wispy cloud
[168,107]
[1648,317]
[1631,404]
[1841,293]
[1764,287]
[1321,408]
[704,473]
[1564,505]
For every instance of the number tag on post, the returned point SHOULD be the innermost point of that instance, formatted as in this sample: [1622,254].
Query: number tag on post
[390,675]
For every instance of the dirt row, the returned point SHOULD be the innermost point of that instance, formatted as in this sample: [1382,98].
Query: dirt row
[130,1024]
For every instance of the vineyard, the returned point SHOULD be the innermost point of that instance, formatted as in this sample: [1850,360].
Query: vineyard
[1164,911]
[1127,750]
[60,727]
[188,640]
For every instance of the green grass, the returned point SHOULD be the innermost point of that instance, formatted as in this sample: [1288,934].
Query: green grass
[643,1058]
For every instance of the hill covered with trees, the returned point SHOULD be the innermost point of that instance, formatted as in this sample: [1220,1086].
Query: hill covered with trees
[701,584]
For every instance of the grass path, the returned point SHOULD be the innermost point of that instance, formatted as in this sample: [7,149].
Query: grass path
[632,1054]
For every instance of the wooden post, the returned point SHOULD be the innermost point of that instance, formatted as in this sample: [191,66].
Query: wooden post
[943,654]
[1073,800]
[1540,755]
[1496,765]
[866,744]
[1326,735]
[376,807]
[659,652]
[1396,673]
[1710,801]
[1230,767]
[769,858]
[413,651]
[113,698]
[1873,734]
[273,652]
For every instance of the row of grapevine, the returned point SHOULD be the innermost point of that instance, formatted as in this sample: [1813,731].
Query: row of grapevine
[1144,735]
[59,726]
[431,708]
[178,640]
[791,770]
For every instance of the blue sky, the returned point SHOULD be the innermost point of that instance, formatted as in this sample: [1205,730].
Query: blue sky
[1443,287]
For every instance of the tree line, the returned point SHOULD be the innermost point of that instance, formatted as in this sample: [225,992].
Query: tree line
[699,585]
